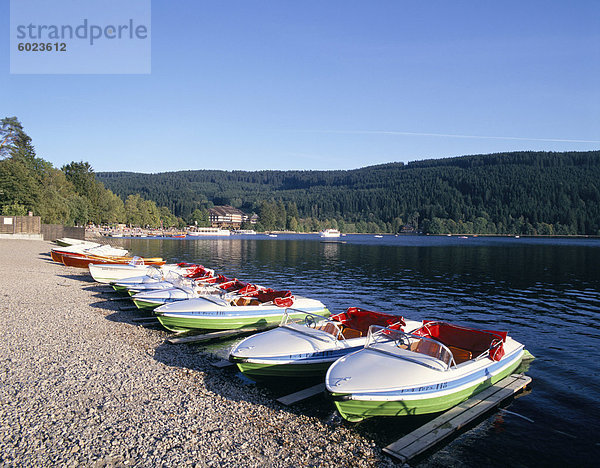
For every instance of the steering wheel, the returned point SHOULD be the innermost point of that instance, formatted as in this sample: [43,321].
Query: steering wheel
[309,321]
[403,342]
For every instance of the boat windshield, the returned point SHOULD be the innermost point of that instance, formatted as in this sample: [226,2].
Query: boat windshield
[154,273]
[310,322]
[173,277]
[186,284]
[136,261]
[408,346]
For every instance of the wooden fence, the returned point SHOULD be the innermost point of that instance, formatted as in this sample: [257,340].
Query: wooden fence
[20,225]
[52,232]
[32,225]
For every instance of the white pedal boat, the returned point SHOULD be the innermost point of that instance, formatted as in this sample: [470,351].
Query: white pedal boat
[174,280]
[187,289]
[263,308]
[309,347]
[154,276]
[429,370]
[109,273]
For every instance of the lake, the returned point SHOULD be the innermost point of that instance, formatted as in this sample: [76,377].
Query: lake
[544,292]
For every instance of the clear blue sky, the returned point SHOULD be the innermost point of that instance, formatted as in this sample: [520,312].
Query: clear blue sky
[323,84]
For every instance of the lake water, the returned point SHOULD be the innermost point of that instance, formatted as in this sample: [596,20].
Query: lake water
[544,292]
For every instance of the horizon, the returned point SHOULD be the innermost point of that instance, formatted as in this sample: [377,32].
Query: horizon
[337,86]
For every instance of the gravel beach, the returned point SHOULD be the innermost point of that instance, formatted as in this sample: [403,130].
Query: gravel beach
[83,385]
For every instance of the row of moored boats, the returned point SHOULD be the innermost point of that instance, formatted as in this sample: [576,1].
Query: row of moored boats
[374,364]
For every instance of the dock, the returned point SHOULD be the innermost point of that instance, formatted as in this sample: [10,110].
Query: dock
[456,418]
[302,395]
[216,335]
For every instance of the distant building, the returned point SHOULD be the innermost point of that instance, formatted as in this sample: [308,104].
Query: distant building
[229,217]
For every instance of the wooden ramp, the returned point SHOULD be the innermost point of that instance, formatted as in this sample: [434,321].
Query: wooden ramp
[302,395]
[216,335]
[144,319]
[455,418]
[222,364]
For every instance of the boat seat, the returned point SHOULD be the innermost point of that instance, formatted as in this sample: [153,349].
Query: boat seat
[427,347]
[244,301]
[329,327]
[350,333]
[460,354]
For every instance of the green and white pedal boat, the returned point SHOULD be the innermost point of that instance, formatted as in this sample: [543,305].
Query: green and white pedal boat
[429,370]
[186,289]
[307,348]
[261,309]
[166,277]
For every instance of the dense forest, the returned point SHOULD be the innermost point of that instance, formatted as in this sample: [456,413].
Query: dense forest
[70,195]
[514,193]
[544,193]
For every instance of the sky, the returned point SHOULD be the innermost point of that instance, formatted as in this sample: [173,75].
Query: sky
[325,84]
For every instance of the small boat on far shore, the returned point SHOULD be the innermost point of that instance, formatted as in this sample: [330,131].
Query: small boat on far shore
[208,231]
[330,233]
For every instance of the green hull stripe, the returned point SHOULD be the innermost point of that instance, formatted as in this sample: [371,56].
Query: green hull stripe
[226,323]
[283,370]
[145,305]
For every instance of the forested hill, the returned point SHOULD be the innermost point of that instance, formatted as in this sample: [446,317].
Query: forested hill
[520,193]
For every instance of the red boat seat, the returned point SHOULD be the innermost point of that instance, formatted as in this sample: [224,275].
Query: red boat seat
[361,319]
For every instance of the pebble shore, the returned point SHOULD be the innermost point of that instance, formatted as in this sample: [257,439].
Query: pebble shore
[83,385]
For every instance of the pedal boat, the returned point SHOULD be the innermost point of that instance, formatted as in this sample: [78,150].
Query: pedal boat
[186,289]
[174,280]
[160,275]
[308,347]
[429,370]
[107,273]
[261,308]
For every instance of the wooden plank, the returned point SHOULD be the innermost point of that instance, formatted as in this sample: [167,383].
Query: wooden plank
[222,364]
[144,319]
[120,298]
[302,395]
[455,418]
[131,307]
[215,335]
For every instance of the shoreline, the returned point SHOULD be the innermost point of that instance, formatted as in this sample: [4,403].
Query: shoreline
[82,384]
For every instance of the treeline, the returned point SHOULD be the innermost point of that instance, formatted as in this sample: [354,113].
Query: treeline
[71,195]
[506,193]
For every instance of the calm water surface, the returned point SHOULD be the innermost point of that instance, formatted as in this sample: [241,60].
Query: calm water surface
[545,292]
